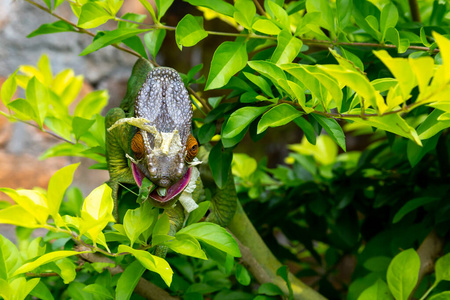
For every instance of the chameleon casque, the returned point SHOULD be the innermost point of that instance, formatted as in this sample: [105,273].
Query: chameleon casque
[149,137]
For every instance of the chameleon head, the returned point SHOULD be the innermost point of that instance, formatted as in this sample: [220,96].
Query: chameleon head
[163,146]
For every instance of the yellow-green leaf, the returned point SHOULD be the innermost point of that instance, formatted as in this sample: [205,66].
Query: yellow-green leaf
[33,201]
[17,215]
[278,116]
[93,15]
[151,262]
[57,186]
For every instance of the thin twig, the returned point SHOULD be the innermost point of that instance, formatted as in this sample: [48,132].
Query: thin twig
[260,8]
[415,12]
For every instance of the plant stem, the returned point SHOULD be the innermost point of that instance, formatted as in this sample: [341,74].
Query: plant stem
[415,12]
[260,260]
[260,8]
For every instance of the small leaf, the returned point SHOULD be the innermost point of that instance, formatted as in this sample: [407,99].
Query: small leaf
[37,97]
[128,280]
[46,258]
[58,185]
[8,88]
[403,273]
[287,49]
[266,26]
[111,37]
[307,129]
[278,116]
[189,247]
[441,296]
[41,291]
[189,31]
[93,15]
[241,118]
[242,275]
[229,58]
[388,18]
[244,13]
[162,6]
[17,215]
[412,205]
[162,226]
[260,82]
[153,40]
[99,290]
[67,270]
[442,268]
[91,104]
[220,6]
[198,213]
[58,26]
[10,258]
[332,128]
[378,291]
[138,220]
[220,163]
[270,289]
[214,235]
[284,273]
[151,262]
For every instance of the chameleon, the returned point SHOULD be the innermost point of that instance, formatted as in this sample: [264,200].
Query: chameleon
[148,138]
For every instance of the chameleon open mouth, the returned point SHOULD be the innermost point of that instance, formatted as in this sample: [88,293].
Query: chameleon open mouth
[172,191]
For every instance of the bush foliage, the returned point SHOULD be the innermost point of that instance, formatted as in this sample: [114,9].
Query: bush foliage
[367,222]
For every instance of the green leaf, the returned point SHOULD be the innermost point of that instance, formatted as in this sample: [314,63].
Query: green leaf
[91,104]
[128,280]
[58,26]
[280,14]
[278,116]
[96,212]
[441,296]
[99,290]
[271,71]
[162,226]
[37,96]
[243,165]
[23,109]
[132,17]
[153,40]
[412,205]
[67,270]
[46,258]
[242,275]
[307,128]
[442,268]
[344,12]
[17,215]
[112,37]
[287,49]
[151,262]
[388,18]
[284,273]
[93,15]
[244,13]
[423,37]
[162,6]
[332,128]
[187,246]
[8,88]
[198,213]
[259,82]
[189,31]
[431,125]
[136,44]
[378,291]
[80,126]
[229,58]
[403,273]
[241,118]
[58,185]
[326,13]
[220,163]
[266,26]
[138,220]
[21,287]
[220,6]
[149,8]
[213,235]
[41,291]
[10,258]
[270,289]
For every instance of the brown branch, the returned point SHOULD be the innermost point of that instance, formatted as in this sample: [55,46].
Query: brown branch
[415,12]
[144,287]
[260,8]
[428,251]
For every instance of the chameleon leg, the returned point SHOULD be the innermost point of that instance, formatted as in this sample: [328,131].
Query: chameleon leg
[117,145]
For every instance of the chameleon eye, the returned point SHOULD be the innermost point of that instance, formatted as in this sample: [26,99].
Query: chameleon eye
[137,145]
[192,148]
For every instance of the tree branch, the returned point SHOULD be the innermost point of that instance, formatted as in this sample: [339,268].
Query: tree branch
[144,287]
[428,251]
[415,12]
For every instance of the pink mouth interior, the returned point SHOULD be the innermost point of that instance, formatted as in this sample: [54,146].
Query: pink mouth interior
[172,191]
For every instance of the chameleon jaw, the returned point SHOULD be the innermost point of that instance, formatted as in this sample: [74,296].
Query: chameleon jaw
[172,191]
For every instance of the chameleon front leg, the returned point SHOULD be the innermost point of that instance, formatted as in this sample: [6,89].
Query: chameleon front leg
[117,146]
